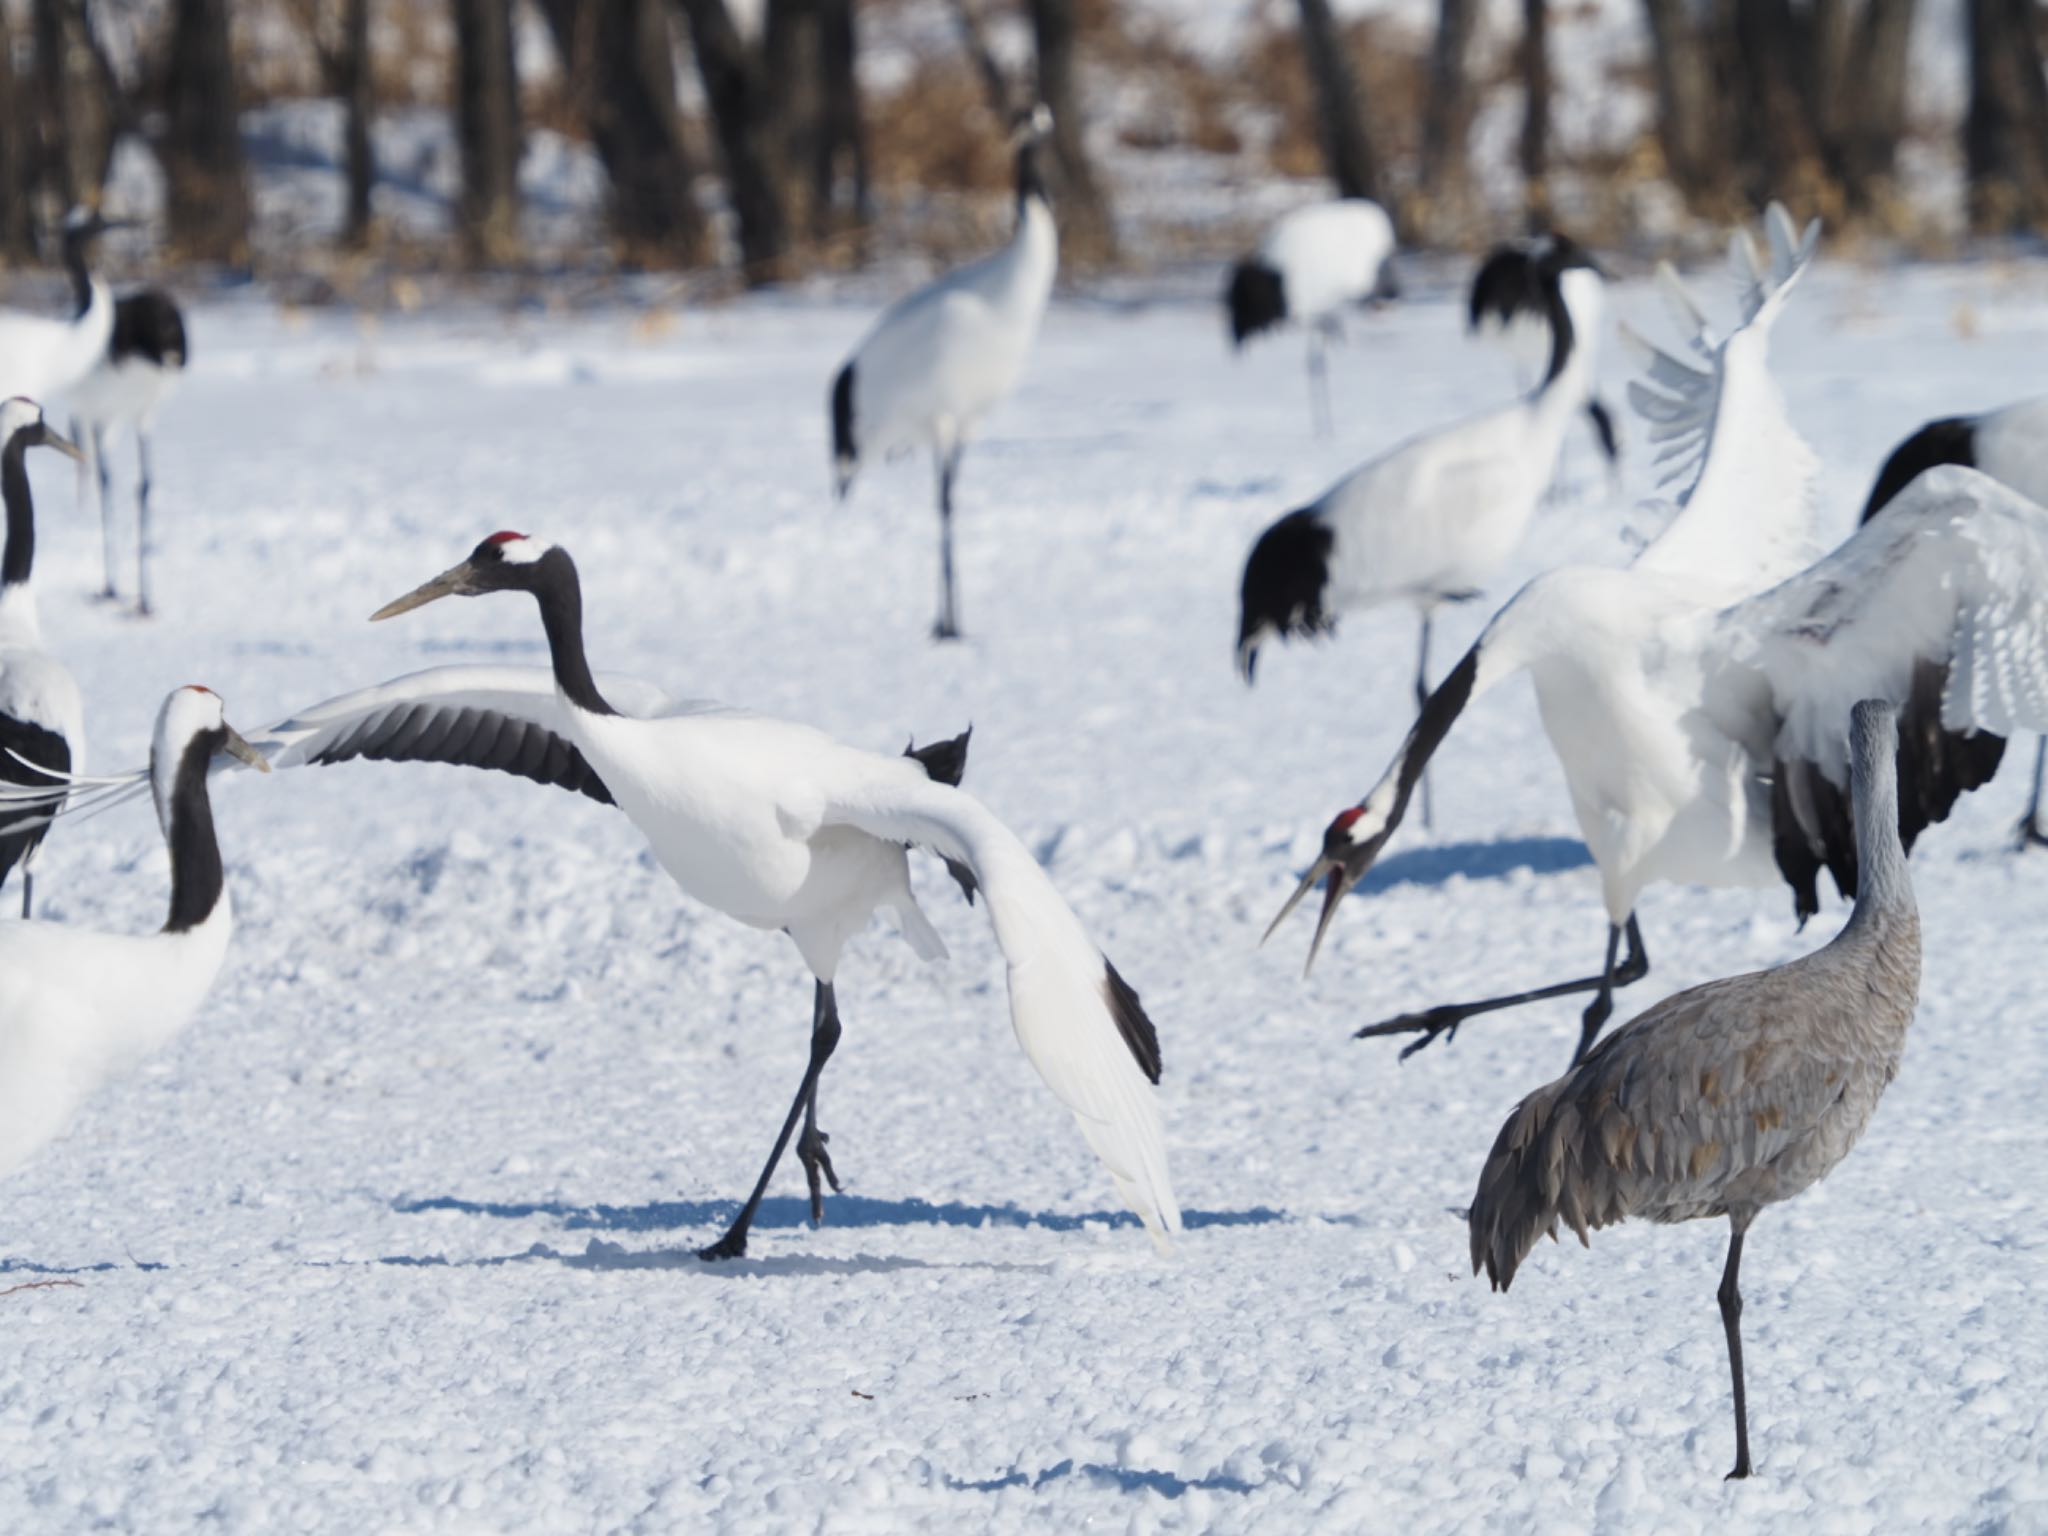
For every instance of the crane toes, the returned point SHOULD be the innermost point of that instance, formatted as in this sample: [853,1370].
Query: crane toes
[2031,835]
[810,1151]
[1430,1023]
[731,1246]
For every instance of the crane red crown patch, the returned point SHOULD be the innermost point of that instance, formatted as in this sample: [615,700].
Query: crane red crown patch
[1344,818]
[504,538]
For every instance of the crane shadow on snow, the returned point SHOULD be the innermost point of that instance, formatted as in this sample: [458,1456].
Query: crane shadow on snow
[600,1255]
[1125,1479]
[1478,861]
[791,1213]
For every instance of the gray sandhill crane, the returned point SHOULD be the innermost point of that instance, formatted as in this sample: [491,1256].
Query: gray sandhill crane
[1730,1096]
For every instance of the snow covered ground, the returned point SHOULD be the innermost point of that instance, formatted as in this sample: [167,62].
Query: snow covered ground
[399,1236]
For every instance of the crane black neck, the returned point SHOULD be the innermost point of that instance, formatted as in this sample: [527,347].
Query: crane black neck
[75,242]
[1030,183]
[20,554]
[557,588]
[197,879]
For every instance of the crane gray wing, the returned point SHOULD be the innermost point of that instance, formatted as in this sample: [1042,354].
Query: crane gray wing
[1941,607]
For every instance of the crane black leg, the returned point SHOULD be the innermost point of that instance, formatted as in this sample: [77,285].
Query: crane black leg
[824,1038]
[28,893]
[1731,1321]
[2031,830]
[105,476]
[1445,1019]
[810,1146]
[947,627]
[1422,698]
[1318,382]
[142,521]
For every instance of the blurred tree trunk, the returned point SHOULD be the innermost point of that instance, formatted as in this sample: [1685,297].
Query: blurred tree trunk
[75,87]
[1688,106]
[17,185]
[2005,135]
[487,129]
[354,86]
[619,59]
[1780,114]
[207,201]
[1340,105]
[1873,89]
[1087,231]
[1536,111]
[742,111]
[1443,193]
[792,57]
[840,166]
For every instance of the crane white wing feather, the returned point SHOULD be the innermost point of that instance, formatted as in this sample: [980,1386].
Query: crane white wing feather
[1077,1022]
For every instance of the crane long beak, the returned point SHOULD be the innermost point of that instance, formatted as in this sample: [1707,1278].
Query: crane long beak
[52,438]
[450,583]
[237,746]
[1340,882]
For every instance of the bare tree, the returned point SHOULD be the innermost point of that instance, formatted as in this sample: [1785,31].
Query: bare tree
[207,203]
[1340,105]
[1087,231]
[619,58]
[1689,115]
[1535,144]
[17,189]
[2005,135]
[742,112]
[487,129]
[74,85]
[840,160]
[1874,87]
[339,31]
[1444,188]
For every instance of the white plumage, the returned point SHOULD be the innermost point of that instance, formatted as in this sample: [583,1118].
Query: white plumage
[1698,719]
[782,827]
[77,1007]
[1311,264]
[940,359]
[42,356]
[42,723]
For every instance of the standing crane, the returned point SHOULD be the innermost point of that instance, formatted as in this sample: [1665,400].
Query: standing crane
[784,828]
[77,1007]
[1510,294]
[1433,520]
[145,355]
[42,723]
[2009,445]
[1728,1097]
[1312,263]
[41,356]
[943,357]
[1691,697]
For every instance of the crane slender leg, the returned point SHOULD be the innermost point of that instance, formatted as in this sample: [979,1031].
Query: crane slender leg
[99,464]
[1446,1018]
[28,893]
[948,625]
[1421,699]
[810,1146]
[1731,1321]
[142,521]
[1318,383]
[824,1038]
[2031,830]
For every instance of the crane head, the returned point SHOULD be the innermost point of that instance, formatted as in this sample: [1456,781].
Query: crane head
[1353,840]
[503,562]
[21,418]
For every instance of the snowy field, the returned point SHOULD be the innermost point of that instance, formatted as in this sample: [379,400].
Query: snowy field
[399,1236]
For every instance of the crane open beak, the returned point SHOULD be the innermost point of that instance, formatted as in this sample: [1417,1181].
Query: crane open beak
[237,746]
[1341,880]
[454,582]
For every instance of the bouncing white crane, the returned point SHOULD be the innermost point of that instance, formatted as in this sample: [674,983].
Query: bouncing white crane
[1693,698]
[782,827]
[943,357]
[1728,1097]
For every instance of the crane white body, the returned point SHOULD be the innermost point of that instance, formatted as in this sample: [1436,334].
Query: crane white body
[1695,699]
[78,1007]
[1311,264]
